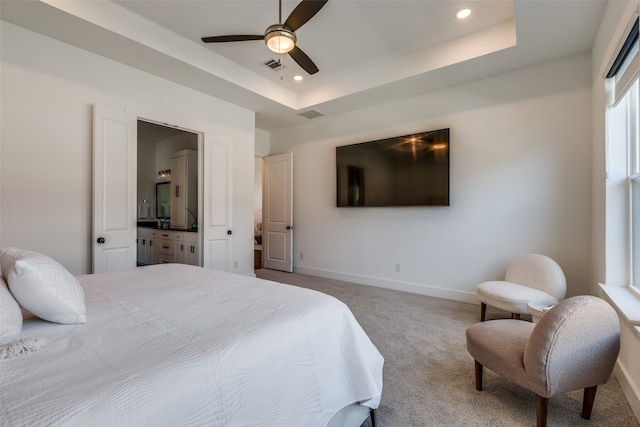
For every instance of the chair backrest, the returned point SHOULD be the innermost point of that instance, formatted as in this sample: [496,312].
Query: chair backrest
[574,345]
[539,272]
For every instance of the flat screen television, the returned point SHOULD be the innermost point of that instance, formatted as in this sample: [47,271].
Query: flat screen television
[409,170]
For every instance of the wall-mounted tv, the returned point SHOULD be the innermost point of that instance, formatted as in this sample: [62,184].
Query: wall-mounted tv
[409,170]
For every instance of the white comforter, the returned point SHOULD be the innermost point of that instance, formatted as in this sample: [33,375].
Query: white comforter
[174,345]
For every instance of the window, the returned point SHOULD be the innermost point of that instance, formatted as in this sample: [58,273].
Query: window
[633,114]
[623,161]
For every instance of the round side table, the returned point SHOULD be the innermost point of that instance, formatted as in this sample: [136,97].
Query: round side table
[537,310]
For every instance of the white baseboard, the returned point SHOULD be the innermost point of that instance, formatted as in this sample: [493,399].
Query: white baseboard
[415,288]
[628,388]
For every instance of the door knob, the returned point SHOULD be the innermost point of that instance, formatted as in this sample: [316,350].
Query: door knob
[289,227]
[101,240]
[229,232]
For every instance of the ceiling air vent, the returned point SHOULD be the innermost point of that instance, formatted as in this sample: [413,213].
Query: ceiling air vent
[273,64]
[311,114]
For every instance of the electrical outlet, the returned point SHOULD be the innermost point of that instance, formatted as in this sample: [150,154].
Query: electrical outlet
[397,268]
[301,255]
[236,265]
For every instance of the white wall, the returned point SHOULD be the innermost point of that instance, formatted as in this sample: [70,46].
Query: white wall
[48,89]
[155,155]
[147,173]
[263,143]
[520,182]
[168,146]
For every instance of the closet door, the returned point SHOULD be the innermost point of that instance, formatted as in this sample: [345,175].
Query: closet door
[114,189]
[217,210]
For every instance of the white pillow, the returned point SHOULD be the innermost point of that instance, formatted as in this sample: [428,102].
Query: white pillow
[42,286]
[10,315]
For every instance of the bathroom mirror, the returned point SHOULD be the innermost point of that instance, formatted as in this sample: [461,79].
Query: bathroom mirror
[163,200]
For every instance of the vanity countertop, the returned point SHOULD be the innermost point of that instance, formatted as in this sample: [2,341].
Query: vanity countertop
[154,226]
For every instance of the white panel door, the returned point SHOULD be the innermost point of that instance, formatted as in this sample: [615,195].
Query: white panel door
[217,213]
[114,189]
[277,234]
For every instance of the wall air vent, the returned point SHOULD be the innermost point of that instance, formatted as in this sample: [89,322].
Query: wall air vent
[273,64]
[311,114]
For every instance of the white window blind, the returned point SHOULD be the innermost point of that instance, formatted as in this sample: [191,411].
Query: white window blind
[626,67]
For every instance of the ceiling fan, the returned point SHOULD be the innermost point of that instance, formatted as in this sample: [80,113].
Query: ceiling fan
[281,38]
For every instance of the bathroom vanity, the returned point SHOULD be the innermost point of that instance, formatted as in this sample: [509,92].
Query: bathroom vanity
[158,246]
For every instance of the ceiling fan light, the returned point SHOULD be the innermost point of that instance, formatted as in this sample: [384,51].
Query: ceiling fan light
[279,40]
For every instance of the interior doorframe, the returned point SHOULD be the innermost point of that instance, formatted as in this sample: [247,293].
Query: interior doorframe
[200,138]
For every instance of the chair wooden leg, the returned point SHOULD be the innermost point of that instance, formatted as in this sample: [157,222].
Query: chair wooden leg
[478,375]
[587,401]
[483,311]
[542,407]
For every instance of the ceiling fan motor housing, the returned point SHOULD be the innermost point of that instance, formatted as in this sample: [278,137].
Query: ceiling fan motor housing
[279,38]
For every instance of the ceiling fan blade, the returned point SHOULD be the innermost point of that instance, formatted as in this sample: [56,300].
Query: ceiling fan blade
[304,11]
[238,38]
[303,60]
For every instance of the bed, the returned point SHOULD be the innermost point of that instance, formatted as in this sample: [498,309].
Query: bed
[177,345]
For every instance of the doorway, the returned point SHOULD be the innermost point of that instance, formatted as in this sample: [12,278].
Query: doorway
[157,145]
[115,210]
[257,214]
[277,213]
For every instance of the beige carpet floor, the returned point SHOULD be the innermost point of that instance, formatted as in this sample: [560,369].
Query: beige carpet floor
[428,374]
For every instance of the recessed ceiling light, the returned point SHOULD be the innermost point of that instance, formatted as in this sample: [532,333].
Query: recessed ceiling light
[298,78]
[463,13]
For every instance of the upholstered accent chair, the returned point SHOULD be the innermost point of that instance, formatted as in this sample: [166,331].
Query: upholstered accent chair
[530,278]
[573,346]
